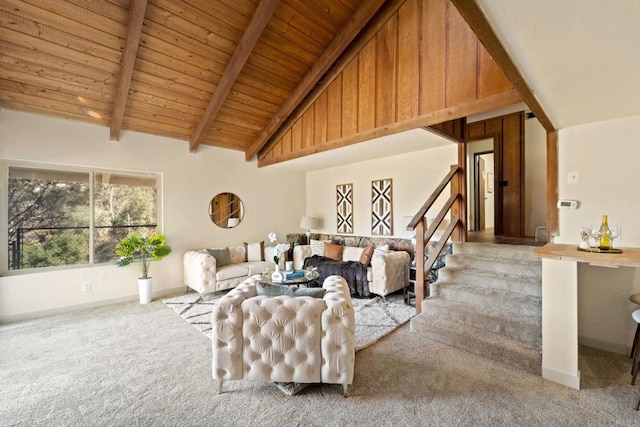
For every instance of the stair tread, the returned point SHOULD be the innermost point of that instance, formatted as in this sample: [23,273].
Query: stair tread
[526,328]
[484,310]
[497,339]
[496,250]
[507,283]
[484,290]
[488,272]
[531,268]
[484,343]
[533,261]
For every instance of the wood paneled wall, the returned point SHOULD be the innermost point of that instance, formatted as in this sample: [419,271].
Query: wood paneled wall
[424,66]
[508,146]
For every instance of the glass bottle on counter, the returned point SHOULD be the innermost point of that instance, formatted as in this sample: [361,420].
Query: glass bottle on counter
[605,234]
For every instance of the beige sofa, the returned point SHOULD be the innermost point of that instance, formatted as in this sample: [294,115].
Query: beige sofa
[386,274]
[284,338]
[203,275]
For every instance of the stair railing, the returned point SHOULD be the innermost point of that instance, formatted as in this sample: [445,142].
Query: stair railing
[455,177]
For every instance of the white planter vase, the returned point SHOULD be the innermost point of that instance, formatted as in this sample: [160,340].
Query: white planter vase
[277,276]
[145,289]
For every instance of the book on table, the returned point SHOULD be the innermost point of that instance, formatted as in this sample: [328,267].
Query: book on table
[294,275]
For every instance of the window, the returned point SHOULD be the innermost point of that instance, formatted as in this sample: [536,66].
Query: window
[61,217]
[122,204]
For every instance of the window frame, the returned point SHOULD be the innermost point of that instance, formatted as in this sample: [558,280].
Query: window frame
[5,164]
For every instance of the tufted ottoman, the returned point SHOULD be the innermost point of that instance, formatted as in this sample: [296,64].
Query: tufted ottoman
[284,338]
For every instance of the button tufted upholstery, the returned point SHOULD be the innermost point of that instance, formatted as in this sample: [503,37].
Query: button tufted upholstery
[202,275]
[284,338]
[386,274]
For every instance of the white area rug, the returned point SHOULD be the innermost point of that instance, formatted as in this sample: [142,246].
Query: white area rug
[375,318]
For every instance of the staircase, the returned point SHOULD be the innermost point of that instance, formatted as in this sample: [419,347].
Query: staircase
[487,300]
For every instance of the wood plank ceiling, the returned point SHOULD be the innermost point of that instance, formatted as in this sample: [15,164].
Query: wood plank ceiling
[224,73]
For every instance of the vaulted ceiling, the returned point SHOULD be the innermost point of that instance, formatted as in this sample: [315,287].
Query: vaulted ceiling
[230,73]
[215,72]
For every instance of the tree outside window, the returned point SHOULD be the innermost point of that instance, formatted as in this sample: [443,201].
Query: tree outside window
[122,204]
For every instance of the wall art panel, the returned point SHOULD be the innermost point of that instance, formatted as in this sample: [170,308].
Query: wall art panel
[344,206]
[382,207]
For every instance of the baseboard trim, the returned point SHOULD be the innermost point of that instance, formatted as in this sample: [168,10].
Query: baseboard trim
[85,306]
[609,346]
[561,378]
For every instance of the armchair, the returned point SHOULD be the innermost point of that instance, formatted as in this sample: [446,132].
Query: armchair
[284,338]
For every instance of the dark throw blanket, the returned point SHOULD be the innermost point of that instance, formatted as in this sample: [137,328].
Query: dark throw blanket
[354,272]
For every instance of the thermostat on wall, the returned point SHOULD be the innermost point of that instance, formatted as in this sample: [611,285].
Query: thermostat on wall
[568,204]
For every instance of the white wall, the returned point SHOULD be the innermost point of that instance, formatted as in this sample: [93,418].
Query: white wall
[535,176]
[274,200]
[607,155]
[415,176]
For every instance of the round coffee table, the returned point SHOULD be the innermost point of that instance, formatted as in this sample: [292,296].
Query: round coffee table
[304,280]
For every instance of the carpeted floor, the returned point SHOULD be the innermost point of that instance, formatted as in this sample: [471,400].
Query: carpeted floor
[141,365]
[374,319]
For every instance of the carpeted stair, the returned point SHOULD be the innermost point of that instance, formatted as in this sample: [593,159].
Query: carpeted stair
[487,300]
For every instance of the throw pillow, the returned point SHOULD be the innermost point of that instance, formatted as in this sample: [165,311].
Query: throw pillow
[381,250]
[274,290]
[238,254]
[367,253]
[254,251]
[317,247]
[333,251]
[310,292]
[222,256]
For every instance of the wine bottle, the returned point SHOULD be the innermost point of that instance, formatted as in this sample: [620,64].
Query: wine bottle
[605,234]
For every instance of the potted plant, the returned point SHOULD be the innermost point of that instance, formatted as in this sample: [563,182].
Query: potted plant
[134,247]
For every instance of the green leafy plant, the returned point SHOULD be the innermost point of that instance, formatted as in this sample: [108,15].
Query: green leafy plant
[134,247]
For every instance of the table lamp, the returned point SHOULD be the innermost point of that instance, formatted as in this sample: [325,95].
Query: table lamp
[308,222]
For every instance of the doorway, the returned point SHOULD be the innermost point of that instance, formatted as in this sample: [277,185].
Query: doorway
[481,186]
[484,199]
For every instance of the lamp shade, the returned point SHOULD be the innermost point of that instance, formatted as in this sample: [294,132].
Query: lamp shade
[308,222]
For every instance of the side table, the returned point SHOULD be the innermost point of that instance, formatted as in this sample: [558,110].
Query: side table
[409,293]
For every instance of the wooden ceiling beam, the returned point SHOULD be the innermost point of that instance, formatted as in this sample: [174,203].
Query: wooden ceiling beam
[249,39]
[338,45]
[138,9]
[480,26]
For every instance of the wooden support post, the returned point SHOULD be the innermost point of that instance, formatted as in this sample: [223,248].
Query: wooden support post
[419,258]
[552,185]
[459,186]
[462,189]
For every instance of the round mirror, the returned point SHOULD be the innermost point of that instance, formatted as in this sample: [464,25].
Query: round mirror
[226,210]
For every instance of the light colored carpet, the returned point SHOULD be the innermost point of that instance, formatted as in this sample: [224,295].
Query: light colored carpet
[141,365]
[375,318]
